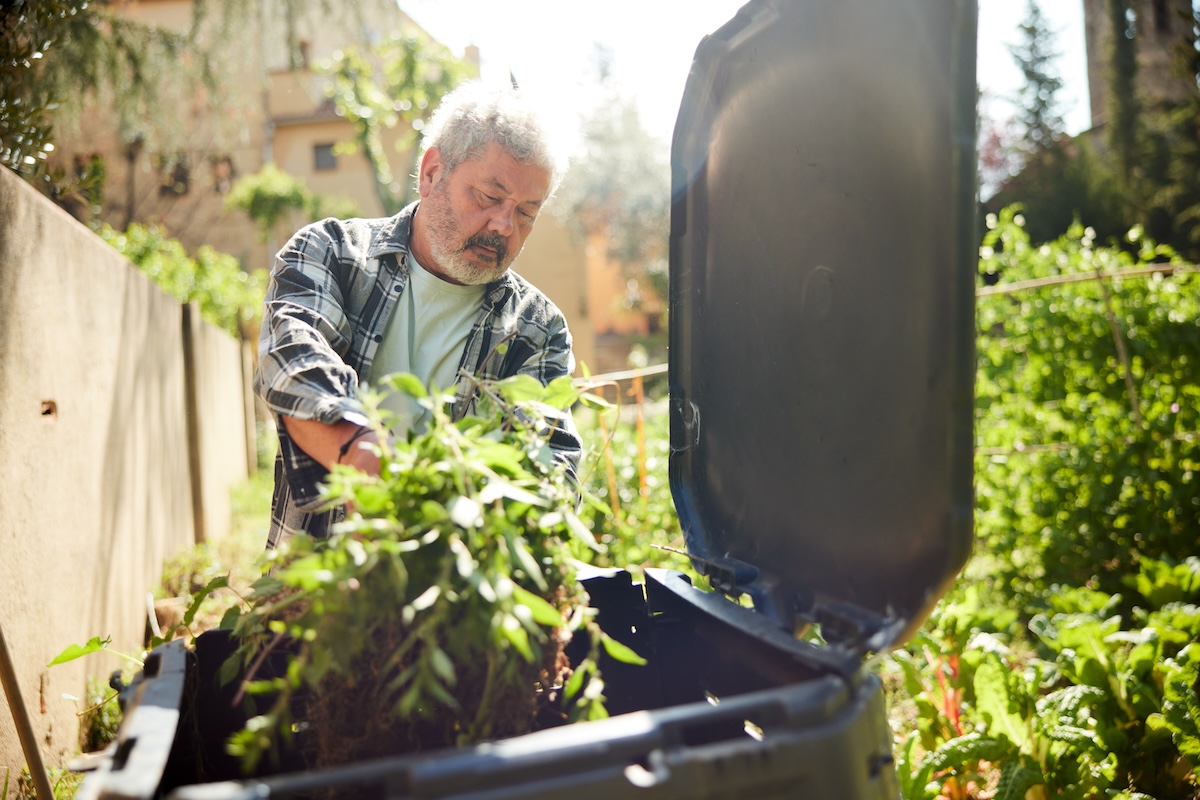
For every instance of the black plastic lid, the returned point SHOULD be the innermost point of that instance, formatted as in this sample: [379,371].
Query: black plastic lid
[822,309]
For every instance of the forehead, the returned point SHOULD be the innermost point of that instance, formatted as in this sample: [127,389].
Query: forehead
[495,170]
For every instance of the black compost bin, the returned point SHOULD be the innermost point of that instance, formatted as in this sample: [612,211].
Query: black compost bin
[821,367]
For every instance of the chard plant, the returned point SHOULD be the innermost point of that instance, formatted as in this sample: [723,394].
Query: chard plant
[437,612]
[1101,701]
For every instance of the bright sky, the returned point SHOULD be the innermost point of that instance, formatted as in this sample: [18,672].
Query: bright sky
[549,45]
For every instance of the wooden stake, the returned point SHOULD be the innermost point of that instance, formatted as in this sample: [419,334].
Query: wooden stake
[12,690]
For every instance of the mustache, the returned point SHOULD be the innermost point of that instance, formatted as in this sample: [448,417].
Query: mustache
[489,240]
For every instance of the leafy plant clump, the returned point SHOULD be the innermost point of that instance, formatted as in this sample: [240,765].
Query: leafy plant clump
[1092,702]
[437,612]
[1087,409]
[228,296]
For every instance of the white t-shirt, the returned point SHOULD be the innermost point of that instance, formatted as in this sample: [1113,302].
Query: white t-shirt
[425,336]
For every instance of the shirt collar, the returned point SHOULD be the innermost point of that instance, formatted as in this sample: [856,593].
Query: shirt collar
[393,236]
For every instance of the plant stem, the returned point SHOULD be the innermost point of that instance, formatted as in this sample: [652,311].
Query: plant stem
[1122,353]
[489,685]
[258,662]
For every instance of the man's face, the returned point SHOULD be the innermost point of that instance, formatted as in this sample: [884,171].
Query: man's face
[477,217]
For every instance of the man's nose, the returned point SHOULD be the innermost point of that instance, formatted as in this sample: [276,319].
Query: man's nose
[501,220]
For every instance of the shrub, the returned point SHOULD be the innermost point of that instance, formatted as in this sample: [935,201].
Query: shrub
[1087,408]
[228,296]
[437,612]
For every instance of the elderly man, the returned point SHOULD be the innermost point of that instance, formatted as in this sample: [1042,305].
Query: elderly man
[428,291]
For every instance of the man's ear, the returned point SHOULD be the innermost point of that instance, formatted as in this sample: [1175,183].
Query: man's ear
[430,172]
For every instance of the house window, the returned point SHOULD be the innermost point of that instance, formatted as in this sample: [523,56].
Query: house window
[222,174]
[174,175]
[324,158]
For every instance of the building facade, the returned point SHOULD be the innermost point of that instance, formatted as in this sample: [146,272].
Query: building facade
[176,170]
[1159,27]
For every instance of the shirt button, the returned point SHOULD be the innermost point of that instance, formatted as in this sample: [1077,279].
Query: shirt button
[378,337]
[397,287]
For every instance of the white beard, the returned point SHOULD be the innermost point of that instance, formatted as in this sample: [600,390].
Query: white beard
[451,257]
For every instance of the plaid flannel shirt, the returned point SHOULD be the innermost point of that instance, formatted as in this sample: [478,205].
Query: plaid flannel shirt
[333,289]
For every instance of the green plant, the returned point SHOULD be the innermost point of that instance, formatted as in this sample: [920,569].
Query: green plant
[624,474]
[1087,407]
[269,196]
[1097,704]
[228,296]
[63,783]
[99,644]
[433,611]
[99,721]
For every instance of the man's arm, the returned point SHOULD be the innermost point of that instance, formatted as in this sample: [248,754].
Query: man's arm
[338,443]
[302,375]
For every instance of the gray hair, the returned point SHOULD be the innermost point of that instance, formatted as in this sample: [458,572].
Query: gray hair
[474,115]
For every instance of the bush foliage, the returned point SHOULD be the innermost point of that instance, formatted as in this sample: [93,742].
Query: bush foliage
[228,296]
[1087,411]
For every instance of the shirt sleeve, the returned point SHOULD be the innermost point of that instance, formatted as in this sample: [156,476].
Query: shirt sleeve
[305,336]
[302,371]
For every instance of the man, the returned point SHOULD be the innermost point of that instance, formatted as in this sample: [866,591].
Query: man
[427,291]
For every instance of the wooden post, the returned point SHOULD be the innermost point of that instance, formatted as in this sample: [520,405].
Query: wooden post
[12,690]
[248,396]
[639,397]
[191,345]
[614,499]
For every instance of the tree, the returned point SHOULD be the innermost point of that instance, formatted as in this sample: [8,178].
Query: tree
[1123,110]
[55,52]
[1057,180]
[269,196]
[394,87]
[619,185]
[1039,120]
[1087,402]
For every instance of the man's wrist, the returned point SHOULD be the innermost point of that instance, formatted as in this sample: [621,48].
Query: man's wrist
[359,451]
[344,450]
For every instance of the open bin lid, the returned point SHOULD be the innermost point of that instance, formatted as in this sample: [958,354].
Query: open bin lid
[822,266]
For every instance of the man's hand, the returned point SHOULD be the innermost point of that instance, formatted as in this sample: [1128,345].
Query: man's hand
[339,443]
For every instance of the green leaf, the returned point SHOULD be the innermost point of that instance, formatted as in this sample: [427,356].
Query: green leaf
[442,665]
[543,612]
[465,512]
[510,629]
[561,393]
[408,383]
[219,582]
[441,694]
[621,652]
[269,586]
[528,563]
[965,752]
[520,388]
[371,499]
[996,704]
[94,645]
[229,619]
[230,670]
[498,488]
[1017,778]
[581,532]
[575,682]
